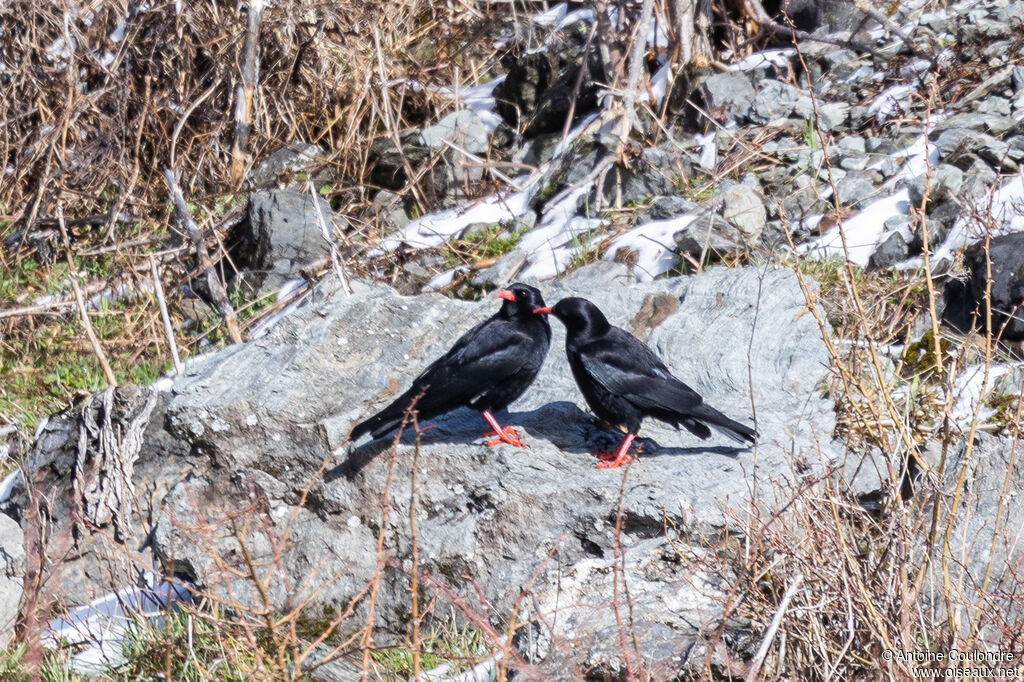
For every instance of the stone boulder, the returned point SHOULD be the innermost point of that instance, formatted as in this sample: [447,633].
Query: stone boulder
[444,156]
[537,94]
[244,470]
[965,299]
[12,574]
[283,235]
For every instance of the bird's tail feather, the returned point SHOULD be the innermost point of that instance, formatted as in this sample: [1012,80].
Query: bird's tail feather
[392,415]
[741,433]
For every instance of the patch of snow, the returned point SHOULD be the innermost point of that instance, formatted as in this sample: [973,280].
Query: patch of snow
[443,279]
[552,244]
[861,230]
[290,287]
[1004,213]
[653,245]
[164,384]
[117,35]
[659,83]
[103,624]
[436,228]
[890,102]
[477,98]
[708,150]
[7,485]
[656,36]
[552,16]
[778,57]
[971,387]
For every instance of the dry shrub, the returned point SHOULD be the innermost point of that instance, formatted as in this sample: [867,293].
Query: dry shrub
[96,98]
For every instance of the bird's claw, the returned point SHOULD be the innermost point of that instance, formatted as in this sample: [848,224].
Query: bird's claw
[506,435]
[610,461]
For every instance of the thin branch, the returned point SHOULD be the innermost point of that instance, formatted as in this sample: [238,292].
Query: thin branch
[108,373]
[246,87]
[217,291]
[168,329]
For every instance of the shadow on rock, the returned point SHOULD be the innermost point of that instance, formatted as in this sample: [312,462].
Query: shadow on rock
[560,427]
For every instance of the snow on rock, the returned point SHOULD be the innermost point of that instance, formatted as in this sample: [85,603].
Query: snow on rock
[971,387]
[653,244]
[778,57]
[1004,213]
[436,228]
[560,235]
[861,231]
[890,102]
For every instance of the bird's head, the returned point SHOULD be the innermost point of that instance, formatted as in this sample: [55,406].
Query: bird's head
[521,299]
[580,316]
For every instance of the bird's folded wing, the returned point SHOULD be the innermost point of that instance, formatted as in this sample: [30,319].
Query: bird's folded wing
[635,373]
[492,350]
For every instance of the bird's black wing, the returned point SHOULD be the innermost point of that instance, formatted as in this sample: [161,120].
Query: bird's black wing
[625,366]
[489,352]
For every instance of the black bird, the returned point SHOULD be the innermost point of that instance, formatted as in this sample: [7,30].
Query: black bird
[488,368]
[623,381]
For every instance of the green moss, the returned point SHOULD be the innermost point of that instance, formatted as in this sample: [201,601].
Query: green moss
[920,357]
[1005,406]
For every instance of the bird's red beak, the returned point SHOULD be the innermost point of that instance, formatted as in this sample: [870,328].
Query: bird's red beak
[542,311]
[505,294]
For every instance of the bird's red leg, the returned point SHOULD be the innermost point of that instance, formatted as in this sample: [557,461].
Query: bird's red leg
[617,458]
[506,435]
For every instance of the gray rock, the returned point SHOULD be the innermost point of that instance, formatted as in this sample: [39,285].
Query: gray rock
[285,236]
[802,202]
[979,178]
[244,434]
[966,301]
[852,145]
[984,534]
[743,207]
[450,175]
[996,105]
[663,207]
[537,94]
[892,249]
[292,165]
[709,235]
[960,147]
[774,100]
[994,124]
[503,272]
[856,186]
[833,114]
[12,573]
[1017,78]
[389,209]
[728,96]
[944,183]
[462,128]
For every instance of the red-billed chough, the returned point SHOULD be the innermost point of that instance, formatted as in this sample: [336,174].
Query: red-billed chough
[487,368]
[623,381]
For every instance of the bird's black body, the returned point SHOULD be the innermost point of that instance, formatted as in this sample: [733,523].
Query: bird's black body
[623,381]
[488,367]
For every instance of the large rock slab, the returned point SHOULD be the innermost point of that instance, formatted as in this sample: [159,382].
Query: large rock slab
[253,493]
[12,575]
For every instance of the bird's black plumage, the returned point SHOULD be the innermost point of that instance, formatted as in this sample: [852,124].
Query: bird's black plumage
[623,381]
[488,367]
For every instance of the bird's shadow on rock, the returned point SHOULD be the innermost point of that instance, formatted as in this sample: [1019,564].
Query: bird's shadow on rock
[561,423]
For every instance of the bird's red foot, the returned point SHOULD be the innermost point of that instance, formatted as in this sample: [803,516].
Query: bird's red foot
[610,460]
[506,435]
